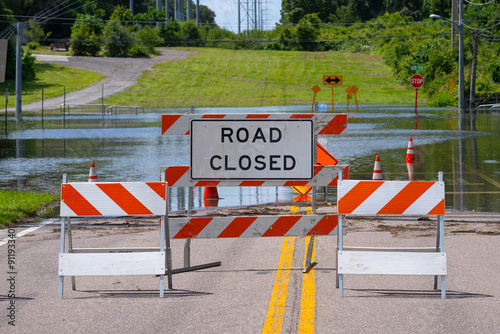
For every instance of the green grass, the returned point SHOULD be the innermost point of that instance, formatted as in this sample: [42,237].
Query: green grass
[15,206]
[235,78]
[52,79]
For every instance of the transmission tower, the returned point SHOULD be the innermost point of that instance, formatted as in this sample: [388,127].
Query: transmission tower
[253,13]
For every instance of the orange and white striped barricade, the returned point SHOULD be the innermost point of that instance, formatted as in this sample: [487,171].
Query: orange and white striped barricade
[392,198]
[324,124]
[189,176]
[179,176]
[114,199]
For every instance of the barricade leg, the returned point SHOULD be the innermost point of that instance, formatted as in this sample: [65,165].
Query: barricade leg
[61,278]
[70,250]
[168,255]
[187,253]
[441,247]
[309,264]
[437,250]
[337,264]
[339,249]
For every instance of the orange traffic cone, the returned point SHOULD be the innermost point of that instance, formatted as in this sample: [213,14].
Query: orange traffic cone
[210,193]
[92,173]
[210,197]
[410,159]
[377,170]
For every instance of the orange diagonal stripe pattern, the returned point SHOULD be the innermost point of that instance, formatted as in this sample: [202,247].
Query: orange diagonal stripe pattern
[335,126]
[325,225]
[193,228]
[406,197]
[124,199]
[76,202]
[357,195]
[237,227]
[174,173]
[281,226]
[167,121]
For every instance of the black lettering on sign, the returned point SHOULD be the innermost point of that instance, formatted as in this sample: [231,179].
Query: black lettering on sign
[226,132]
[212,162]
[287,166]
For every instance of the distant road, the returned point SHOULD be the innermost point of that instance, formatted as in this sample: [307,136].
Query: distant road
[120,73]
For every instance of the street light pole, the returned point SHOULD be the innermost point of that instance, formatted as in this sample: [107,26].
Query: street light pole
[461,78]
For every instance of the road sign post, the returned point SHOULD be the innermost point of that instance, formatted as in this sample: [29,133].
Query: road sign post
[332,80]
[416,81]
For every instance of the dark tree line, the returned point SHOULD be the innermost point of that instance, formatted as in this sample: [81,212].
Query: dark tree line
[352,11]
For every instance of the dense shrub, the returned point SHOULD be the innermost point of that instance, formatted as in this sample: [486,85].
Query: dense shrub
[84,41]
[117,39]
[146,39]
[28,66]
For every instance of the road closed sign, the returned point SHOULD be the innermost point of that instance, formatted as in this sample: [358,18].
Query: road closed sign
[251,149]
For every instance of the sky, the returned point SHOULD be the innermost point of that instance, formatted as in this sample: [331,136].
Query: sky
[226,13]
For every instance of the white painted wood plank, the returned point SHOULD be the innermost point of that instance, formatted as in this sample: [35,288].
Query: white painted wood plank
[390,249]
[115,250]
[90,264]
[391,263]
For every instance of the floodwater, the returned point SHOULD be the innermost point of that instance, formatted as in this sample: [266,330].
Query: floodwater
[130,147]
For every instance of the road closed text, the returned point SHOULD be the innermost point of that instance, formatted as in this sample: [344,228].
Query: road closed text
[251,149]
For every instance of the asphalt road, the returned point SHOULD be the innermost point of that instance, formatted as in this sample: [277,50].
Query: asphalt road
[120,73]
[235,297]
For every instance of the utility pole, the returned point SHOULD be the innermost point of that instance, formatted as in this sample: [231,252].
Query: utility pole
[461,78]
[197,13]
[132,7]
[167,17]
[189,9]
[473,73]
[19,72]
[158,8]
[454,18]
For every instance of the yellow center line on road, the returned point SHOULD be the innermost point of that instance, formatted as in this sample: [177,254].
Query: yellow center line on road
[277,304]
[308,299]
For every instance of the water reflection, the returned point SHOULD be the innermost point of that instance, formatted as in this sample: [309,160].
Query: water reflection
[130,148]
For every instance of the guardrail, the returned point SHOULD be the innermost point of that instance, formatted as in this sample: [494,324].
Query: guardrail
[97,109]
[82,109]
[112,110]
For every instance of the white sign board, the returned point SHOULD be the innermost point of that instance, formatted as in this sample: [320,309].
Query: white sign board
[251,149]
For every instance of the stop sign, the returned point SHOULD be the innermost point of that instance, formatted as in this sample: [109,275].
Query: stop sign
[417,81]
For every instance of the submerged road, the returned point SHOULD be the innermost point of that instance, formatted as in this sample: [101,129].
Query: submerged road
[260,286]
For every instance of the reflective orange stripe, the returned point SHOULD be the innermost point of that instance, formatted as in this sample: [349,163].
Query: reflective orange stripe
[76,202]
[357,195]
[406,197]
[324,226]
[237,227]
[193,228]
[125,200]
[281,226]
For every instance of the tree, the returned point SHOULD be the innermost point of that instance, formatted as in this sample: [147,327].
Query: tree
[308,31]
[117,39]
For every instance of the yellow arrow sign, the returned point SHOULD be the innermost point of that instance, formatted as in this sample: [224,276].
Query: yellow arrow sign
[332,80]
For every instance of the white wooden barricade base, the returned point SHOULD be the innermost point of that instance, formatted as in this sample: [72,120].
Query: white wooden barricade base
[91,264]
[357,197]
[392,263]
[114,199]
